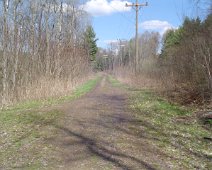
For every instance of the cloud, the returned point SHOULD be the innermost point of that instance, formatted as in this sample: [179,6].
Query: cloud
[157,25]
[104,7]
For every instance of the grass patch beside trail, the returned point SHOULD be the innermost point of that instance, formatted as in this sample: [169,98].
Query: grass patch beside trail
[174,130]
[26,132]
[115,82]
[23,139]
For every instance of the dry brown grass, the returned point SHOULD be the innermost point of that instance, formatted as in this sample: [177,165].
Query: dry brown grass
[168,87]
[139,80]
[45,88]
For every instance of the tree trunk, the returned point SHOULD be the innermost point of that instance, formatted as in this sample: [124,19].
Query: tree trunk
[16,48]
[4,54]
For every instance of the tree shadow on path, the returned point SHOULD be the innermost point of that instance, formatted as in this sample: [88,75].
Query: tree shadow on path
[97,149]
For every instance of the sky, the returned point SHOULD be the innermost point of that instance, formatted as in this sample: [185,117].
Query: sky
[111,20]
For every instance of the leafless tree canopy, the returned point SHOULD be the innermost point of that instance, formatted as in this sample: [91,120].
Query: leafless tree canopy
[41,47]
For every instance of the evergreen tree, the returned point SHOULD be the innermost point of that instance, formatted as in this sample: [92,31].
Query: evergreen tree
[90,43]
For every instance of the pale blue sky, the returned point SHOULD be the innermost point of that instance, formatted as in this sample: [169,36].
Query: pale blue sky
[112,20]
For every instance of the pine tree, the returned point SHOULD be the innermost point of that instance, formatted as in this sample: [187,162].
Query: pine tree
[90,43]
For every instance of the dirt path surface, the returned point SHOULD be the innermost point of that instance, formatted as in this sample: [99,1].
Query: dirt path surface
[98,133]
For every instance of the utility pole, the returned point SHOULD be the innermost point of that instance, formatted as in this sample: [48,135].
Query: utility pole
[121,52]
[136,7]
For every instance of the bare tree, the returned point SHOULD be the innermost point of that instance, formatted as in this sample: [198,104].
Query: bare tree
[41,42]
[4,52]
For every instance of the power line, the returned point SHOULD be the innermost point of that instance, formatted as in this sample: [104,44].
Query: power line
[121,14]
[122,28]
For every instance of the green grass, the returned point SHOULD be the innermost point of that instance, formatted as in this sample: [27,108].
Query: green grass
[23,137]
[174,129]
[85,88]
[115,83]
[25,131]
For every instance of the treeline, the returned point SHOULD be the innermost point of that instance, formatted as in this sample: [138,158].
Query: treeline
[121,54]
[180,65]
[44,48]
[186,58]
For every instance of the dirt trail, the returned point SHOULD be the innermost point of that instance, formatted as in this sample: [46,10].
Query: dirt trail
[98,134]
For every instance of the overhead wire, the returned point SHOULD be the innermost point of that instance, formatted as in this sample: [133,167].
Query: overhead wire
[129,20]
[124,29]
